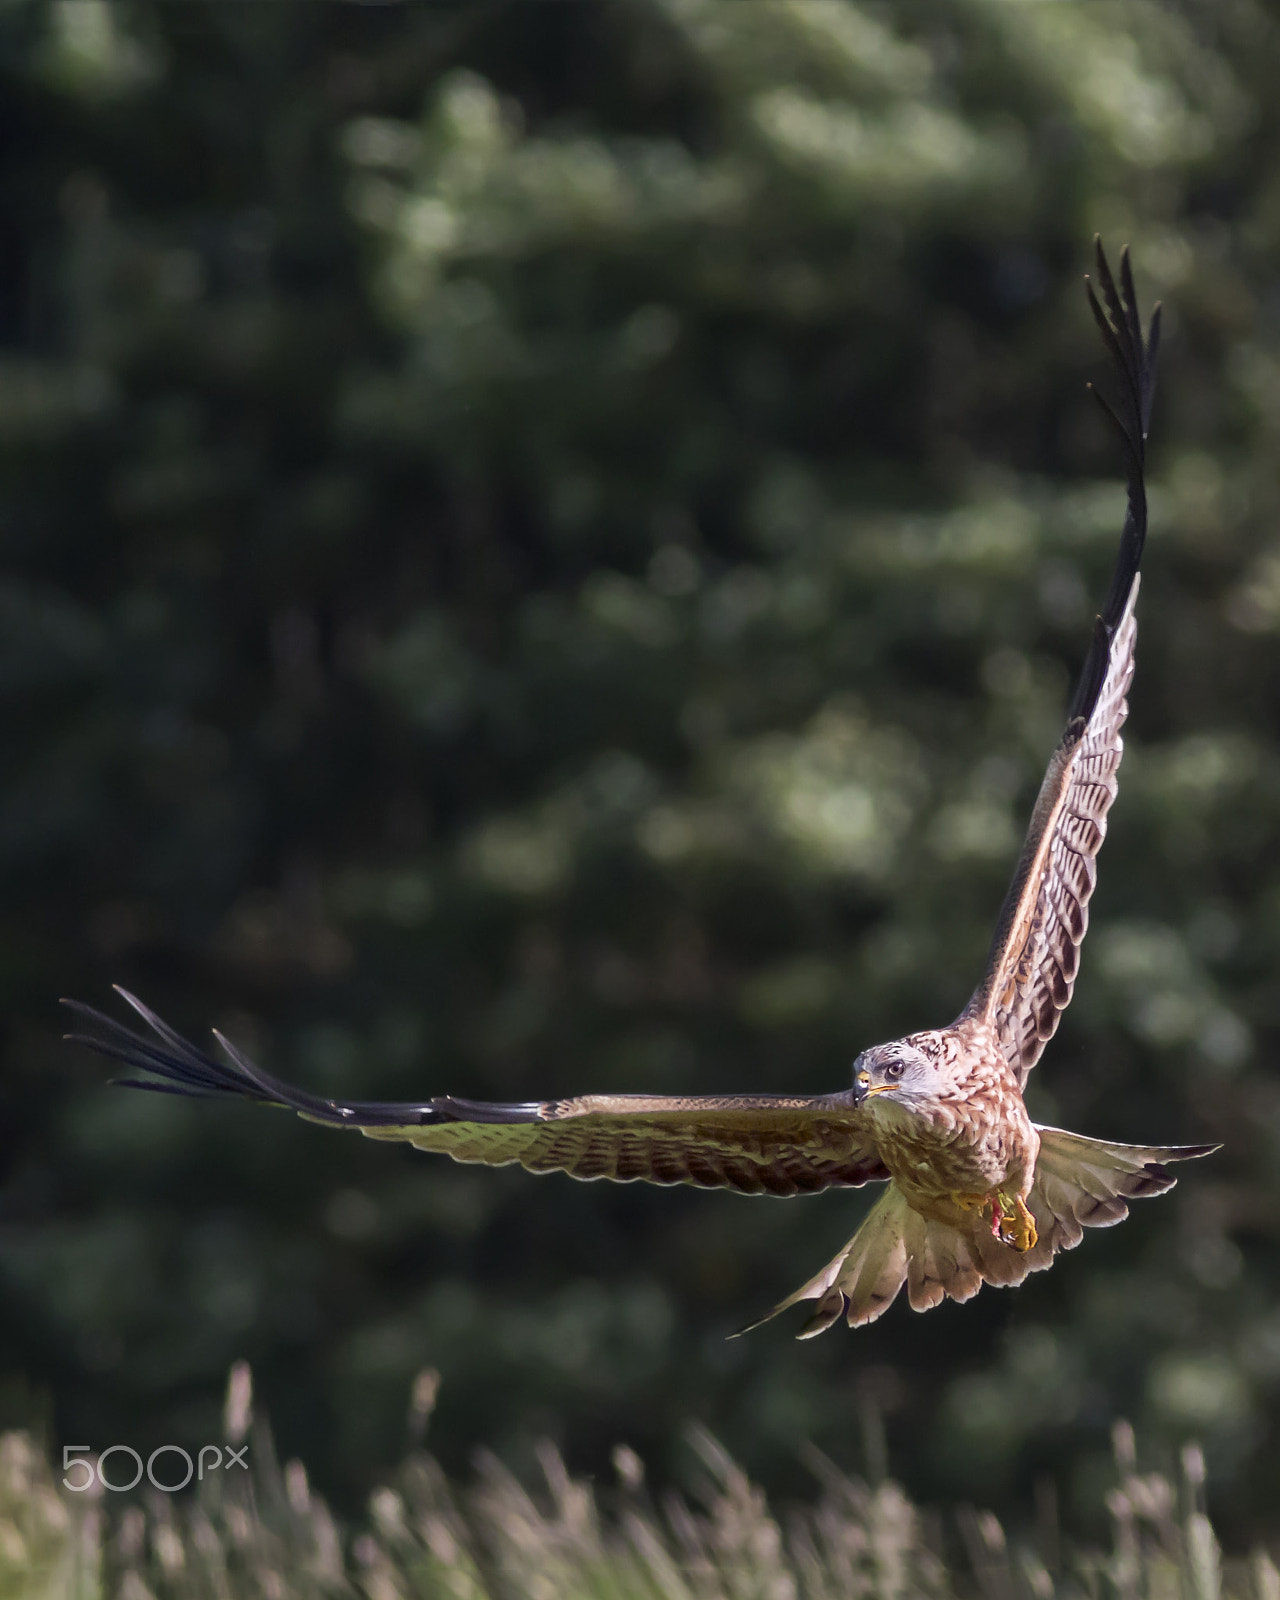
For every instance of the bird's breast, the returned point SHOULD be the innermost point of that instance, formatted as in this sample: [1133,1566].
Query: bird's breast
[965,1145]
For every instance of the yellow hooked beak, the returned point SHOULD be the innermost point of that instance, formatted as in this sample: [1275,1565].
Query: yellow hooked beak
[868,1089]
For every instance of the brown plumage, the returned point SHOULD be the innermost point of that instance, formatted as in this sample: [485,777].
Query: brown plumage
[976,1193]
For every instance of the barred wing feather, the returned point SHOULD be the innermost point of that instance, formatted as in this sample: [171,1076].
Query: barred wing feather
[1037,955]
[755,1144]
[1036,951]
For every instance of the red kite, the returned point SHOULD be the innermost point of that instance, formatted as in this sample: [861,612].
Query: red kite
[975,1192]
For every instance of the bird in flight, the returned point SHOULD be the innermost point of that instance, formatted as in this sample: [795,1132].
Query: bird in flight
[975,1192]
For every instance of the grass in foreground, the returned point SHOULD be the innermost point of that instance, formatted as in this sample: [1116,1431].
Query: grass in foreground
[267,1535]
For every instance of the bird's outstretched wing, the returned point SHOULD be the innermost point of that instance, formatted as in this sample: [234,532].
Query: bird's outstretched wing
[756,1144]
[1036,952]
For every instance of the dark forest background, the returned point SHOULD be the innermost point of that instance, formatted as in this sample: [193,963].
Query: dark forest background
[543,547]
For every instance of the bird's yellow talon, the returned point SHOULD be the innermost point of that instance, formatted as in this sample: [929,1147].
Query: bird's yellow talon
[1019,1230]
[1016,1228]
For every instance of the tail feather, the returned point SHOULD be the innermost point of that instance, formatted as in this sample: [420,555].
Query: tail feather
[1086,1183]
[999,1263]
[1079,1183]
[941,1262]
[863,1279]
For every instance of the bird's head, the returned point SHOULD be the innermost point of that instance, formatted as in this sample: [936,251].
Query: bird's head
[902,1071]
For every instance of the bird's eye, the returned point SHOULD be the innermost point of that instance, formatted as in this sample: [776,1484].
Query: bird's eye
[893,1070]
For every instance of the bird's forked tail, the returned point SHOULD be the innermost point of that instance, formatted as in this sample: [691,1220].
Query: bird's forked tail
[1079,1183]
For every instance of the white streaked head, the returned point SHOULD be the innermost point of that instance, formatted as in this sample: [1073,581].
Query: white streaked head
[903,1071]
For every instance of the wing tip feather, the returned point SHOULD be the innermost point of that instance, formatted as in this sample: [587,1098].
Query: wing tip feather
[1028,1019]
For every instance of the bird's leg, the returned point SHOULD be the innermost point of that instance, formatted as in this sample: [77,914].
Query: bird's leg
[1024,1228]
[1017,1228]
[980,1202]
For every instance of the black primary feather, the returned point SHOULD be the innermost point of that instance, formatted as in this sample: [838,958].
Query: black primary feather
[1121,329]
[179,1067]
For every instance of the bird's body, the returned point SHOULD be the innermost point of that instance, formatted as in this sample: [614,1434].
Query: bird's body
[975,1192]
[973,1137]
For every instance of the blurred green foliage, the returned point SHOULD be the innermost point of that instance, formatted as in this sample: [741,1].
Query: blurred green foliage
[544,548]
